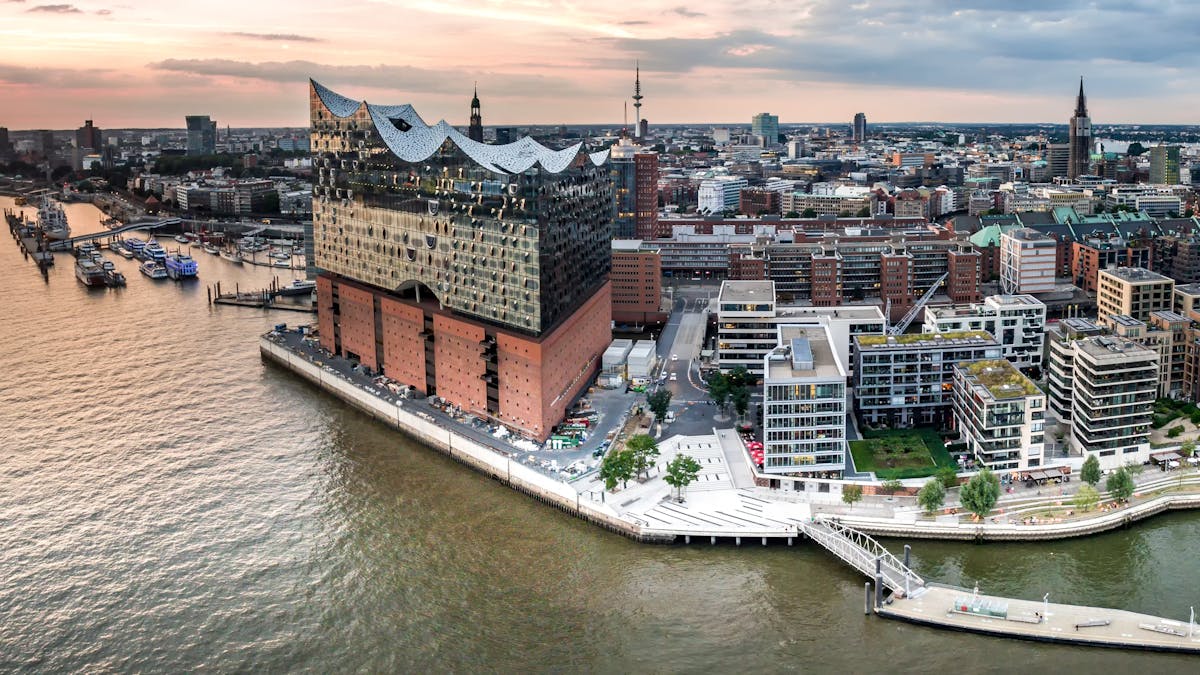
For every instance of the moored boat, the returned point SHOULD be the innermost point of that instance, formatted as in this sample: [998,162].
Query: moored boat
[182,239]
[154,251]
[299,287]
[232,256]
[209,248]
[181,266]
[53,220]
[89,272]
[282,263]
[134,245]
[153,270]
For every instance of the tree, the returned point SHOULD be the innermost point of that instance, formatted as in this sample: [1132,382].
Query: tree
[718,388]
[1120,485]
[1175,431]
[739,377]
[1135,149]
[645,451]
[808,213]
[892,486]
[1187,448]
[659,402]
[852,493]
[616,467]
[681,471]
[791,214]
[980,493]
[741,400]
[948,477]
[864,212]
[1087,498]
[932,495]
[1090,473]
[1134,469]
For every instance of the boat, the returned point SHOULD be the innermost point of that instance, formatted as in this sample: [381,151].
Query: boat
[181,266]
[88,272]
[232,256]
[209,248]
[299,287]
[114,278]
[115,246]
[280,255]
[282,263]
[153,270]
[154,251]
[182,239]
[20,201]
[134,245]
[87,248]
[53,220]
[126,253]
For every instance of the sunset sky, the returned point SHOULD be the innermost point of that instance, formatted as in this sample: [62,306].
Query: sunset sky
[147,64]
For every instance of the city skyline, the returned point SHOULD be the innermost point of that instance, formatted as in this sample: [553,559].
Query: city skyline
[573,63]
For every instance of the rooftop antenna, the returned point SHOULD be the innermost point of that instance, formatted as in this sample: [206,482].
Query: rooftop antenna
[637,100]
[625,121]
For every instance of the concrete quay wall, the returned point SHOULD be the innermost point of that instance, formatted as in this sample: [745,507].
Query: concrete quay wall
[1103,522]
[460,448]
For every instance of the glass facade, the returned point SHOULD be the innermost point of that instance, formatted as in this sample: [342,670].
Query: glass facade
[520,249]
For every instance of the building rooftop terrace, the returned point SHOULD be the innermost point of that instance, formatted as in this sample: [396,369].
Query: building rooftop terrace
[1000,378]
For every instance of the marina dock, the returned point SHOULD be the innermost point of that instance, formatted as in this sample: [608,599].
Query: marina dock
[945,607]
[30,238]
[266,298]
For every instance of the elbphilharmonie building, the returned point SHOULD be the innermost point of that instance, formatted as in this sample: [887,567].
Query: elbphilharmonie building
[471,271]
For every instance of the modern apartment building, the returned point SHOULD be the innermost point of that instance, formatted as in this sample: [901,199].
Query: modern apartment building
[1018,322]
[1027,261]
[475,272]
[1134,291]
[1168,334]
[906,380]
[804,405]
[748,321]
[1115,386]
[1187,301]
[1164,165]
[1090,255]
[635,190]
[1000,414]
[1060,368]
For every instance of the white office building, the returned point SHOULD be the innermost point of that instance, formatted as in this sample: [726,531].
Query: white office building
[720,194]
[1027,261]
[804,405]
[748,319]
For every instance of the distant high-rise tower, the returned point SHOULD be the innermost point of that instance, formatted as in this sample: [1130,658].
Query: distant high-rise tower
[1080,137]
[201,135]
[766,125]
[475,131]
[1164,165]
[860,127]
[637,101]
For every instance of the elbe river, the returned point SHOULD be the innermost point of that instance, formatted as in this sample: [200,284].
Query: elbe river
[170,503]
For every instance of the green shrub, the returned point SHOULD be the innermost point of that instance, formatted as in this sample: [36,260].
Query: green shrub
[1174,431]
[1196,418]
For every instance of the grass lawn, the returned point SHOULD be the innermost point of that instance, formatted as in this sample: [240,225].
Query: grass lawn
[896,454]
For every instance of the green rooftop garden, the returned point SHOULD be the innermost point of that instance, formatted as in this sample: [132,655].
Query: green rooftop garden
[900,453]
[913,338]
[1001,378]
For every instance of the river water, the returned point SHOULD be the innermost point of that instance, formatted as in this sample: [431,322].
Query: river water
[169,503]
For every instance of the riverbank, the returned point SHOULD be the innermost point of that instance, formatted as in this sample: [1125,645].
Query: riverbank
[728,504]
[456,446]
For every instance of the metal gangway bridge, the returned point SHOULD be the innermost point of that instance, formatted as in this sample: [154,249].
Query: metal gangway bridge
[864,554]
[69,243]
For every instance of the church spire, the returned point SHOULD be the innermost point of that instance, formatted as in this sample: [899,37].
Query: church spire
[1081,101]
[475,130]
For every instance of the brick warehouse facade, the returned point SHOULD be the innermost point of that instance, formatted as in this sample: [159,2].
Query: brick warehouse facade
[474,272]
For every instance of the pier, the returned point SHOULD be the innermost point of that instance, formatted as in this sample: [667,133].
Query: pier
[263,299]
[30,239]
[959,609]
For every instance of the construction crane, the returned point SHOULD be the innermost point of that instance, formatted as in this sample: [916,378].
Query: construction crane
[900,327]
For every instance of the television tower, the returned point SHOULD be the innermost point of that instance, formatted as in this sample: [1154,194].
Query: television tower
[637,101]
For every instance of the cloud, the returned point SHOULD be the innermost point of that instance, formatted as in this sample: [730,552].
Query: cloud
[56,9]
[280,37]
[634,23]
[389,77]
[687,13]
[55,77]
[104,12]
